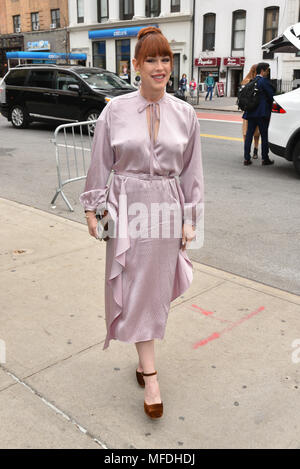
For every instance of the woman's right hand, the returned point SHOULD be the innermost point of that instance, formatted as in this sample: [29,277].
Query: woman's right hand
[92,223]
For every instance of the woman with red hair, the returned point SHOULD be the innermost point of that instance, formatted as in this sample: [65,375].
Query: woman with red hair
[151,142]
[251,76]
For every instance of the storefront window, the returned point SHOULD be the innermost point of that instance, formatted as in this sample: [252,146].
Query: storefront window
[209,27]
[123,58]
[238,30]
[203,74]
[99,54]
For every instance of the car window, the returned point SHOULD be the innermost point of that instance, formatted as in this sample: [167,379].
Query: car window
[104,80]
[63,80]
[16,77]
[41,78]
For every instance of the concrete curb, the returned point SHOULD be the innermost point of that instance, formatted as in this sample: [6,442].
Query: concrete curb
[223,109]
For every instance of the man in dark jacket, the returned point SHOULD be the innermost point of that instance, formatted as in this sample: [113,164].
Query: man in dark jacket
[260,116]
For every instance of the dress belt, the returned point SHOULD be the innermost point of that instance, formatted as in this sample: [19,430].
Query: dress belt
[146,176]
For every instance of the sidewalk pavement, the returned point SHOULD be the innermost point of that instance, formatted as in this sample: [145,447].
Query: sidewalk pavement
[225,366]
[227,104]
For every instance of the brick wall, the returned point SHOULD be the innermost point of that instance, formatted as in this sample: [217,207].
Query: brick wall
[26,7]
[3,18]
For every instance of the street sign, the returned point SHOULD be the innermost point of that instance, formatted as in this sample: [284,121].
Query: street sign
[234,61]
[208,62]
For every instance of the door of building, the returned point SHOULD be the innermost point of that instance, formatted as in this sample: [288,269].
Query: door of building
[236,78]
[123,59]
[175,76]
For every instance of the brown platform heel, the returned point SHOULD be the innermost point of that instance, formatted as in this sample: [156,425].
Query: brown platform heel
[154,411]
[140,379]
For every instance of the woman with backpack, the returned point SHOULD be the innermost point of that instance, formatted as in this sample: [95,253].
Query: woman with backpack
[251,75]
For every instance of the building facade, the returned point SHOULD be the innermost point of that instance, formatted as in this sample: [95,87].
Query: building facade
[32,25]
[229,36]
[106,30]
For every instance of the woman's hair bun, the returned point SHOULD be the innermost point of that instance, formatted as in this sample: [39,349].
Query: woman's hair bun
[149,30]
[151,43]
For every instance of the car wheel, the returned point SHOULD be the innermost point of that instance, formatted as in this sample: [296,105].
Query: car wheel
[19,117]
[92,116]
[296,157]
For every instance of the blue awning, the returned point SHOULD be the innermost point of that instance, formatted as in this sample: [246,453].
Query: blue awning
[45,56]
[117,33]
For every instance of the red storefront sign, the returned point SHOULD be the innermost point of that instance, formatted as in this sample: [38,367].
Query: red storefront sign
[234,61]
[208,62]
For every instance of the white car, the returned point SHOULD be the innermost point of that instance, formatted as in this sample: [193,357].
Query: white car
[284,130]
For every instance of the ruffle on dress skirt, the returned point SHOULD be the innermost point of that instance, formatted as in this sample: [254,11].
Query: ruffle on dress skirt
[184,267]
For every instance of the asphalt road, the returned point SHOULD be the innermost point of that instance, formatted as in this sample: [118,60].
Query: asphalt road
[252,223]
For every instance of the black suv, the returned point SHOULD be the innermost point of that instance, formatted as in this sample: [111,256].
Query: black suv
[57,93]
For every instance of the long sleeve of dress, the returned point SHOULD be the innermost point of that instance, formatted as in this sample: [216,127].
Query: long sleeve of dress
[102,160]
[191,177]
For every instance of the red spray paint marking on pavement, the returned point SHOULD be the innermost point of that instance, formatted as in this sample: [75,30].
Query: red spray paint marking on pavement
[246,318]
[212,337]
[206,313]
[217,335]
[210,313]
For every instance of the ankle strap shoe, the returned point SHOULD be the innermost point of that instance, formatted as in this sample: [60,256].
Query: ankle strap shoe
[154,411]
[140,379]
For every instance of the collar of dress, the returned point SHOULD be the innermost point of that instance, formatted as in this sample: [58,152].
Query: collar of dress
[144,103]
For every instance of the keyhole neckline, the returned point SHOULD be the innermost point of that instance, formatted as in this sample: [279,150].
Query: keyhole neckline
[147,103]
[154,123]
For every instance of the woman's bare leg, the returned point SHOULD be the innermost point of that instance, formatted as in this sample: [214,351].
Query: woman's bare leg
[139,368]
[256,142]
[147,365]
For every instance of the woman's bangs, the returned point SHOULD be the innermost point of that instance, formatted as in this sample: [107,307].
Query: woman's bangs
[156,45]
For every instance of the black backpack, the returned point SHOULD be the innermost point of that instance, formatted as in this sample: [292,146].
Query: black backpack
[248,96]
[180,94]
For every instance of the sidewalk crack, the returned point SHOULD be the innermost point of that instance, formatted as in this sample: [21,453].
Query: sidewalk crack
[58,411]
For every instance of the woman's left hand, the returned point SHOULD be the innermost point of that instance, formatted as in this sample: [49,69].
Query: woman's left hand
[188,234]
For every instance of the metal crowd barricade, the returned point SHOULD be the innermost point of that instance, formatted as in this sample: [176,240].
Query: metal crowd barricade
[73,146]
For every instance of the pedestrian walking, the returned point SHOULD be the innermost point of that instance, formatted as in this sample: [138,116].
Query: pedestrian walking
[210,84]
[251,76]
[183,84]
[260,116]
[151,140]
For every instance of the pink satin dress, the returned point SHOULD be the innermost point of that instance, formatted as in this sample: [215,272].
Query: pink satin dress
[144,273]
